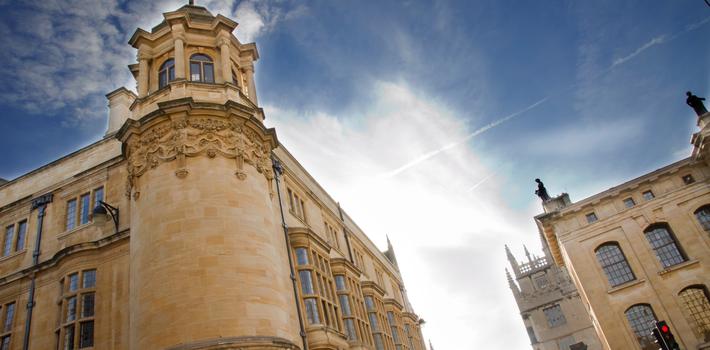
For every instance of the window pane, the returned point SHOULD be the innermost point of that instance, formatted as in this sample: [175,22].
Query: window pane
[614,264]
[345,305]
[5,344]
[195,72]
[71,214]
[209,72]
[85,205]
[71,309]
[86,334]
[641,319]
[373,321]
[379,344]
[200,57]
[665,247]
[162,79]
[9,315]
[697,307]
[369,303]
[629,202]
[301,256]
[87,305]
[350,329]
[648,195]
[73,282]
[69,337]
[340,282]
[703,216]
[89,279]
[98,195]
[311,310]
[9,235]
[21,235]
[306,282]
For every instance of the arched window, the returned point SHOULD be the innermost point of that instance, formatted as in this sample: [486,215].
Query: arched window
[664,244]
[703,216]
[201,68]
[166,73]
[641,319]
[614,264]
[697,306]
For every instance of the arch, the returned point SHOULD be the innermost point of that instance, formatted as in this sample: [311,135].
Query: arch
[201,68]
[641,318]
[702,214]
[614,263]
[696,301]
[664,244]
[166,73]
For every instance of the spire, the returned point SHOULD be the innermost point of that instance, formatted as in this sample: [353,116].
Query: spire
[389,253]
[527,253]
[511,259]
[431,347]
[511,283]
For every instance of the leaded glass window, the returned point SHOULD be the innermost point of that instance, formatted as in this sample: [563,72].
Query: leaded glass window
[166,73]
[642,319]
[85,201]
[21,235]
[71,214]
[703,216]
[9,236]
[614,264]
[664,245]
[697,306]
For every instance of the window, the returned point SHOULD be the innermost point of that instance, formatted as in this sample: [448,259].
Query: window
[591,217]
[375,314]
[353,309]
[697,306]
[703,217]
[541,282]
[77,310]
[614,264]
[166,73]
[14,239]
[201,68]
[296,205]
[408,333]
[641,319]
[688,179]
[8,316]
[394,328]
[664,245]
[332,234]
[648,195]
[554,316]
[629,202]
[317,288]
[79,209]
[566,342]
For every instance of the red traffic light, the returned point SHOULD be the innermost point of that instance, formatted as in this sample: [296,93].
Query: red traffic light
[665,329]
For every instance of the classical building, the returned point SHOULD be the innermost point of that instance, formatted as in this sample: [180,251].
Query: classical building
[189,226]
[549,304]
[640,251]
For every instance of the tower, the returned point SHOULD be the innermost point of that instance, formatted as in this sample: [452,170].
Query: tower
[207,266]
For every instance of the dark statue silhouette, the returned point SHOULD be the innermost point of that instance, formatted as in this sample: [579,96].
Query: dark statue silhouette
[541,191]
[696,103]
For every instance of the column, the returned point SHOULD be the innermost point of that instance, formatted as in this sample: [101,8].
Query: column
[249,71]
[179,59]
[143,73]
[226,62]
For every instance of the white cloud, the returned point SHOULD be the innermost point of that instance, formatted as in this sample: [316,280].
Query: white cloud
[653,42]
[256,18]
[449,241]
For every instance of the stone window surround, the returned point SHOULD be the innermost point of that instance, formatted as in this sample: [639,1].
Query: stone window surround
[664,225]
[76,195]
[79,318]
[14,251]
[6,332]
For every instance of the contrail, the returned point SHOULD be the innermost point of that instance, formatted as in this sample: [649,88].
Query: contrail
[479,183]
[451,145]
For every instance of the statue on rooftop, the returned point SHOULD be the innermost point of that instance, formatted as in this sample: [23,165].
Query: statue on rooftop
[541,191]
[696,103]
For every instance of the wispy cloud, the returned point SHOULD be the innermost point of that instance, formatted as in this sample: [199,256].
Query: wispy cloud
[653,42]
[435,152]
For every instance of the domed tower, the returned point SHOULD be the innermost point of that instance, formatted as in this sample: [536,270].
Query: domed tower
[208,269]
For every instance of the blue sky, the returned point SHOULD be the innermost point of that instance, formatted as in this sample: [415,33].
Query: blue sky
[393,96]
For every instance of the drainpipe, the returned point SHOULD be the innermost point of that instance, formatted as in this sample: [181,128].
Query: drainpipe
[345,233]
[40,204]
[278,170]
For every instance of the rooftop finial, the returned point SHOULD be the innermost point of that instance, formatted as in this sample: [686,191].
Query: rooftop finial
[191,2]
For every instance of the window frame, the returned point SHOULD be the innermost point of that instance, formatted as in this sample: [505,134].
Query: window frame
[7,328]
[74,216]
[591,217]
[704,225]
[202,76]
[700,330]
[650,196]
[320,301]
[624,261]
[166,69]
[11,247]
[73,298]
[628,200]
[672,241]
[643,336]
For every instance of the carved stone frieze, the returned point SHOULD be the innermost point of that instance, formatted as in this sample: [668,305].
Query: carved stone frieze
[178,136]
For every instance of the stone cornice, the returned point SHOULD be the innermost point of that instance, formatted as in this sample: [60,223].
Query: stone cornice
[373,286]
[303,236]
[183,128]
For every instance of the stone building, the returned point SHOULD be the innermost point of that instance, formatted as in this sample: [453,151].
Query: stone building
[640,251]
[189,226]
[551,308]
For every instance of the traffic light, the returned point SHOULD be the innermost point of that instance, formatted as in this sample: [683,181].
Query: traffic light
[664,336]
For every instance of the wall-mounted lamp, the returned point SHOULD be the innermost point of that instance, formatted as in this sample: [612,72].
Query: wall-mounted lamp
[100,211]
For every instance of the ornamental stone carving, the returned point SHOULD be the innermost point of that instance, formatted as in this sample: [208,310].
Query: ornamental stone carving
[175,134]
